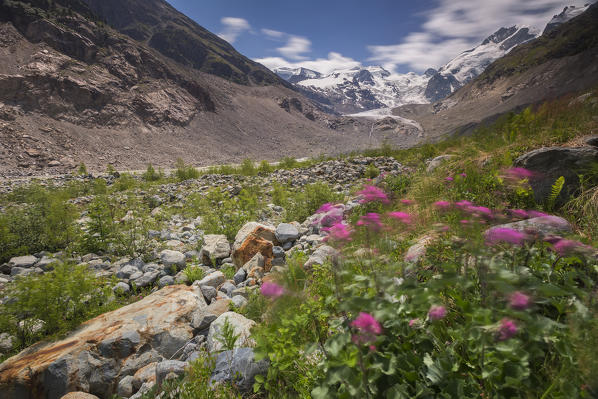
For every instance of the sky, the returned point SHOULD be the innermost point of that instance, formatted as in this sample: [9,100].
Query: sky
[325,35]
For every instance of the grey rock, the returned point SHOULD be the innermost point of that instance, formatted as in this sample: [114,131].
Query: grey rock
[23,261]
[166,280]
[553,162]
[434,163]
[209,292]
[238,366]
[214,279]
[145,388]
[216,246]
[258,260]
[120,347]
[239,301]
[167,368]
[47,263]
[240,276]
[286,232]
[127,271]
[278,252]
[227,288]
[20,271]
[146,279]
[543,225]
[121,287]
[136,362]
[320,256]
[172,258]
[6,342]
[241,326]
[125,387]
[136,275]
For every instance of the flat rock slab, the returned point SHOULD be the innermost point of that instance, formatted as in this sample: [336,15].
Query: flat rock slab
[91,358]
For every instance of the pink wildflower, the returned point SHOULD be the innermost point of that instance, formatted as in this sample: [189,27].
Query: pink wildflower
[569,247]
[507,329]
[371,220]
[520,301]
[371,194]
[366,323]
[537,214]
[413,322]
[449,179]
[520,173]
[400,216]
[339,232]
[463,204]
[407,202]
[271,290]
[443,205]
[464,222]
[368,327]
[519,213]
[326,208]
[463,175]
[504,234]
[480,211]
[437,312]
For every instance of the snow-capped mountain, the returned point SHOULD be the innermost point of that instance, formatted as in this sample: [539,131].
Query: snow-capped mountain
[358,89]
[473,62]
[296,75]
[565,15]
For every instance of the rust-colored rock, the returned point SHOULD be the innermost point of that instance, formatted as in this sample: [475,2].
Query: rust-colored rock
[91,359]
[79,395]
[251,239]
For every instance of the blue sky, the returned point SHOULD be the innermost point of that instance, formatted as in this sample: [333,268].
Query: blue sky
[330,34]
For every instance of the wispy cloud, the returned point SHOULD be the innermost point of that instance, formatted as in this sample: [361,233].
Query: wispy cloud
[273,34]
[334,61]
[295,48]
[233,27]
[456,25]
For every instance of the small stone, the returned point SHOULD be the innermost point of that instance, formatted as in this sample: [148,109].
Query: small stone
[286,232]
[209,292]
[121,288]
[173,258]
[125,387]
[239,301]
[240,276]
[214,279]
[165,368]
[227,288]
[166,280]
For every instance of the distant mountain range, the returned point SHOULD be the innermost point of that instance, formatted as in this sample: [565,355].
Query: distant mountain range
[361,89]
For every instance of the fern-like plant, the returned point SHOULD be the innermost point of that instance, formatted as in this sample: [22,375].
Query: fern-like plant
[555,191]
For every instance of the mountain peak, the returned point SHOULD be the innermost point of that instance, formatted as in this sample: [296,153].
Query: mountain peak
[568,13]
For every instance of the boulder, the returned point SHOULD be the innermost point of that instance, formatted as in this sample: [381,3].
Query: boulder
[173,258]
[215,247]
[251,239]
[213,279]
[79,395]
[169,368]
[23,261]
[202,318]
[543,225]
[286,232]
[434,163]
[241,326]
[157,324]
[239,367]
[125,387]
[320,256]
[548,164]
[166,280]
[258,260]
[418,250]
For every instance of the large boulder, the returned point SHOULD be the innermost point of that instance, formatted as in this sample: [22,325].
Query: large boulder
[240,325]
[286,232]
[103,350]
[320,256]
[239,367]
[215,247]
[23,261]
[173,258]
[548,164]
[543,225]
[251,239]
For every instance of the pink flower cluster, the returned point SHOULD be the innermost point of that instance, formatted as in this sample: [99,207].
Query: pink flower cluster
[371,220]
[368,327]
[271,290]
[437,312]
[373,194]
[520,301]
[519,173]
[401,217]
[565,247]
[498,235]
[507,329]
[338,232]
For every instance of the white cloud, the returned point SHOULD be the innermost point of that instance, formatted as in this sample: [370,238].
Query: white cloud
[273,34]
[233,27]
[333,62]
[295,48]
[457,25]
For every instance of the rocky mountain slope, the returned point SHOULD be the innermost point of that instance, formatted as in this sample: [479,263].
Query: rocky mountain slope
[362,89]
[73,89]
[563,60]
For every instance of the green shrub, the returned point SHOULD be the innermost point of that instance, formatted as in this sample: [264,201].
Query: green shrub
[151,175]
[46,223]
[193,273]
[229,271]
[371,171]
[265,168]
[125,182]
[302,204]
[61,298]
[185,172]
[247,168]
[288,163]
[82,170]
[279,194]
